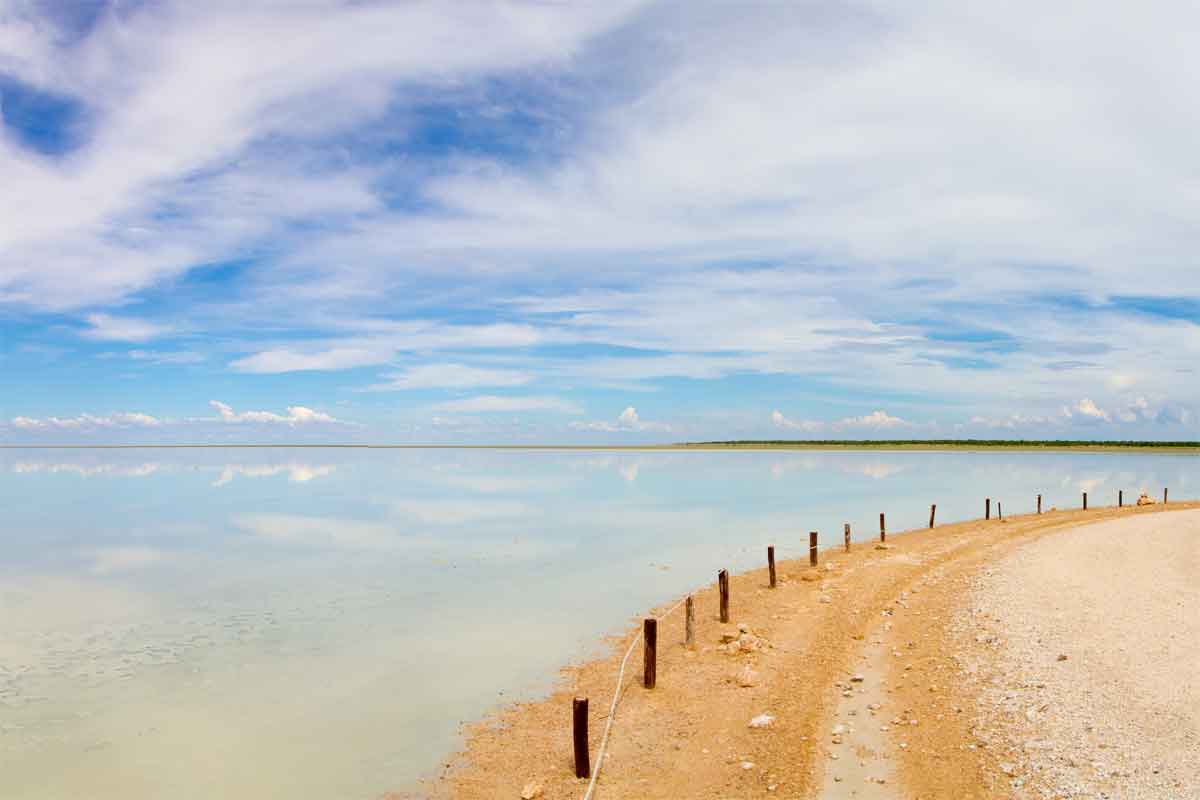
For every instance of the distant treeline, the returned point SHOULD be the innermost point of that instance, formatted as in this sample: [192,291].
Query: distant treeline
[936,443]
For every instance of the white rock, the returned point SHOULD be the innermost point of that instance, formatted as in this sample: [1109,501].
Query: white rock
[761,721]
[532,790]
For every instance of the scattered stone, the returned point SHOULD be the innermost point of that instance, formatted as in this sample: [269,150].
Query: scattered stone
[857,678]
[1062,657]
[532,790]
[761,721]
[747,765]
[747,677]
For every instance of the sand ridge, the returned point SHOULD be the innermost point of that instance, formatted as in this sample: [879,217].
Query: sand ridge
[891,615]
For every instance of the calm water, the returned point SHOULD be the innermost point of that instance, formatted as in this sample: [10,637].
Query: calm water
[316,623]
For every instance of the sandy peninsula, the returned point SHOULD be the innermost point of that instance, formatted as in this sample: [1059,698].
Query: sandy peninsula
[1050,656]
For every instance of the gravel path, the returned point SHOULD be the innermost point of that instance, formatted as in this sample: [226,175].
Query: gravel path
[1085,647]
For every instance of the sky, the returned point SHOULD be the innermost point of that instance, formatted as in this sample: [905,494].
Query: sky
[618,222]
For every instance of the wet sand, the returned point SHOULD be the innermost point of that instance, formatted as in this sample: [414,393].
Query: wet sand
[881,669]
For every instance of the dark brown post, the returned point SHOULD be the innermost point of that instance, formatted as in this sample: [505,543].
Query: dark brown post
[1120,498]
[932,514]
[1039,504]
[1085,501]
[812,548]
[650,659]
[579,717]
[771,563]
[987,508]
[847,537]
[723,583]
[689,622]
[882,529]
[1164,496]
[999,510]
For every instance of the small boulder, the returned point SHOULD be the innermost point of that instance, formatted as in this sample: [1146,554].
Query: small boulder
[747,677]
[532,790]
[761,721]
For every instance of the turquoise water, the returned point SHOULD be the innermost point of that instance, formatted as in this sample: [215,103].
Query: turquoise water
[316,623]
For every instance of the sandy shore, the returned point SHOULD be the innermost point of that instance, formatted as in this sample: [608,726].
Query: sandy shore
[928,669]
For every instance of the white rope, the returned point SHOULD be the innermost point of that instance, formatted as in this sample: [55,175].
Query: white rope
[612,709]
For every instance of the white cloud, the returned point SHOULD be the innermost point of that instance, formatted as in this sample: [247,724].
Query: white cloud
[276,361]
[493,403]
[179,92]
[627,421]
[106,327]
[162,357]
[1087,410]
[879,420]
[781,421]
[123,419]
[296,415]
[451,376]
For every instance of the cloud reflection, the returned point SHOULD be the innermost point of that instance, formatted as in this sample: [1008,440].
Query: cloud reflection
[296,472]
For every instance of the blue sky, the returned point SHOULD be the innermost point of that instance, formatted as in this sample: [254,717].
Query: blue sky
[618,222]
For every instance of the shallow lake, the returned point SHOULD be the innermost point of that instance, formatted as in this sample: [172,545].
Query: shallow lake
[316,623]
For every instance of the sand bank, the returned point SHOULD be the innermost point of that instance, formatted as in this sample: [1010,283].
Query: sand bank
[928,669]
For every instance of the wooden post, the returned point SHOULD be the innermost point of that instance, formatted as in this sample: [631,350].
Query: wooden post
[999,510]
[847,537]
[723,583]
[689,622]
[579,717]
[1120,498]
[1164,496]
[1039,504]
[987,508]
[650,659]
[932,514]
[771,563]
[882,529]
[1085,501]
[812,548]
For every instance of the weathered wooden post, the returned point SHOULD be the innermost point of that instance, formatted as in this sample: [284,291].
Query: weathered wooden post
[847,537]
[882,529]
[1085,501]
[1039,504]
[650,658]
[579,717]
[689,622]
[723,583]
[999,510]
[812,548]
[771,563]
[1164,496]
[987,508]
[932,514]
[1120,498]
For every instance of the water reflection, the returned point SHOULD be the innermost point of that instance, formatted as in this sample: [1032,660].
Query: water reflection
[312,623]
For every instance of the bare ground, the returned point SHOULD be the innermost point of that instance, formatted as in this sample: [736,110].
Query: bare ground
[881,642]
